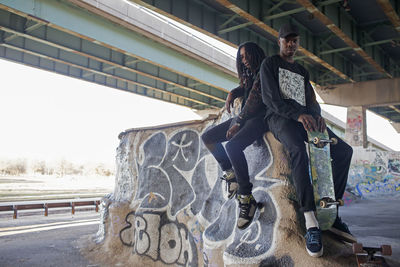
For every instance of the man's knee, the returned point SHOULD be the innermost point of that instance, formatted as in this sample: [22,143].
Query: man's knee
[295,146]
[233,146]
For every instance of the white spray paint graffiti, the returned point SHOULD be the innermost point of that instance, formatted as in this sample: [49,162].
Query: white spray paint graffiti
[174,177]
[153,235]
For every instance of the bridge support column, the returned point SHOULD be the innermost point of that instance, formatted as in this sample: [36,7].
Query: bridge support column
[356,126]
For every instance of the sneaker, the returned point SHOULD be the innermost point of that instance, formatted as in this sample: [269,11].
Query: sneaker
[340,229]
[314,242]
[247,206]
[231,184]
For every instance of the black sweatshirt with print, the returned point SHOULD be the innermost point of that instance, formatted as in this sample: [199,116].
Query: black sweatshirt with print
[286,89]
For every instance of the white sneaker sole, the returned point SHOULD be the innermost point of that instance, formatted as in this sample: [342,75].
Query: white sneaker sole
[316,254]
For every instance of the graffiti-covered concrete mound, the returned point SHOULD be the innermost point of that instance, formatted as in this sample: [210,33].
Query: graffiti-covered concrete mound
[169,207]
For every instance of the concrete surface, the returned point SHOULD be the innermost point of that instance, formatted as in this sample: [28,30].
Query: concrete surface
[52,242]
[375,223]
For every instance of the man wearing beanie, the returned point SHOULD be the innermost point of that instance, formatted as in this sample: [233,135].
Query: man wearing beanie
[292,111]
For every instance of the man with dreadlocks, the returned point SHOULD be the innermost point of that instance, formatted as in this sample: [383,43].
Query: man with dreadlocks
[240,131]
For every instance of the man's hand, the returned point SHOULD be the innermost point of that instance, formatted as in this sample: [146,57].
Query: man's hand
[232,131]
[321,124]
[308,122]
[229,102]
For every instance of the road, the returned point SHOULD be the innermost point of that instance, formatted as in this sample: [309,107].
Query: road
[45,241]
[36,240]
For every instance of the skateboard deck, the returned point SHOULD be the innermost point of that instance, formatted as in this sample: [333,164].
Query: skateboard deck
[321,178]
[366,255]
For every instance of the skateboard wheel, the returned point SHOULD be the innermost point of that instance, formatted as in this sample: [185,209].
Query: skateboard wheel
[316,140]
[341,202]
[386,250]
[334,141]
[323,203]
[358,248]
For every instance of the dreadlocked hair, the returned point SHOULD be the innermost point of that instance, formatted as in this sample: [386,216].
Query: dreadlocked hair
[255,55]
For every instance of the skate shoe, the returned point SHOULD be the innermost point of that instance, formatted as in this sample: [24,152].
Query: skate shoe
[248,207]
[231,183]
[314,242]
[340,229]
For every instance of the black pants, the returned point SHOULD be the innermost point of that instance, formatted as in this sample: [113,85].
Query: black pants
[292,135]
[233,156]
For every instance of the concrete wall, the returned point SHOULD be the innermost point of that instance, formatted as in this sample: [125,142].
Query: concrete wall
[179,213]
[169,207]
[374,174]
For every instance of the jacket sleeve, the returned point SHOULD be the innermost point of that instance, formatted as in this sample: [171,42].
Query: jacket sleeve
[253,103]
[237,92]
[271,95]
[313,107]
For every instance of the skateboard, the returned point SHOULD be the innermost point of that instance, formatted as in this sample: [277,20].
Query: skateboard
[321,178]
[366,255]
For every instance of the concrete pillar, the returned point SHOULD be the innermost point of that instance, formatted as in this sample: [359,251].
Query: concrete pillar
[356,126]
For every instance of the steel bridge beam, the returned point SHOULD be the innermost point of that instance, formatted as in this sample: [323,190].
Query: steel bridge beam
[335,29]
[208,21]
[34,20]
[247,27]
[114,78]
[390,13]
[268,29]
[103,65]
[207,15]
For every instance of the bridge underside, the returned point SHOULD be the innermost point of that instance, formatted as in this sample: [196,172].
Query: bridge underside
[29,36]
[341,41]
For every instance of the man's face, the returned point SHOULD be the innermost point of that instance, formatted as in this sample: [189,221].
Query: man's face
[244,57]
[289,45]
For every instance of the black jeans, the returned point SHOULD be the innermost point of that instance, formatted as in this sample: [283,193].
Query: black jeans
[232,156]
[292,135]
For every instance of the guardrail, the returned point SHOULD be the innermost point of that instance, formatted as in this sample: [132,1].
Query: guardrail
[50,204]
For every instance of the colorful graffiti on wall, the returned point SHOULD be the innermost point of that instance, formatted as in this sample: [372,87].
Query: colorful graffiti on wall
[178,178]
[375,174]
[354,126]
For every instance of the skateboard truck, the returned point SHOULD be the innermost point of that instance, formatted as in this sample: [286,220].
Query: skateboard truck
[318,142]
[371,259]
[326,202]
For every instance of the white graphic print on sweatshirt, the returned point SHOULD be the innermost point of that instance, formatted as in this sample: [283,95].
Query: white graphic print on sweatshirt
[292,86]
